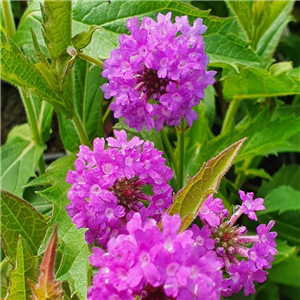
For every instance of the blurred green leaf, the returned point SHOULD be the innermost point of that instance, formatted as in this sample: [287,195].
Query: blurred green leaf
[89,97]
[281,199]
[263,22]
[266,135]
[26,265]
[255,83]
[19,218]
[286,265]
[188,201]
[68,133]
[19,158]
[286,175]
[75,267]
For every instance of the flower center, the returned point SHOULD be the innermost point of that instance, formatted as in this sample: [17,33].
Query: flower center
[128,193]
[150,84]
[155,293]
[225,237]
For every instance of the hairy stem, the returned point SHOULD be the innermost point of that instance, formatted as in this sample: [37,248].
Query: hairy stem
[90,59]
[169,151]
[8,19]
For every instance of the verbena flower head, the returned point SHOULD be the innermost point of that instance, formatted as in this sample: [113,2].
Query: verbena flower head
[108,185]
[156,264]
[158,73]
[231,242]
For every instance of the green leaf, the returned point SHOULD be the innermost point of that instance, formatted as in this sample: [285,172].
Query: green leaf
[151,135]
[26,265]
[57,23]
[256,83]
[47,287]
[75,267]
[286,175]
[197,136]
[18,70]
[254,173]
[113,17]
[19,158]
[19,218]
[82,39]
[266,135]
[89,97]
[283,198]
[263,22]
[68,133]
[188,201]
[284,268]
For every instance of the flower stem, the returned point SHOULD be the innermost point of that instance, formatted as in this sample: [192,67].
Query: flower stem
[169,151]
[181,154]
[233,107]
[32,120]
[80,130]
[90,59]
[8,19]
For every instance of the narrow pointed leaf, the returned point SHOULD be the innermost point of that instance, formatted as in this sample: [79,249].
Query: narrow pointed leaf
[188,201]
[48,288]
[32,227]
[75,267]
[25,270]
[57,17]
[18,70]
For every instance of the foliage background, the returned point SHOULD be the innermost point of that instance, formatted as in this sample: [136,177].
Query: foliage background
[254,46]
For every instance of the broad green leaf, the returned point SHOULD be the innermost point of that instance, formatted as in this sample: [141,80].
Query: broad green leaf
[256,83]
[284,269]
[89,97]
[281,199]
[68,133]
[19,158]
[113,17]
[188,201]
[25,269]
[47,288]
[74,267]
[18,70]
[19,218]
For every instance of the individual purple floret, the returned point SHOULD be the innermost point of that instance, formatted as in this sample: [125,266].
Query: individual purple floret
[158,73]
[108,185]
[231,241]
[152,264]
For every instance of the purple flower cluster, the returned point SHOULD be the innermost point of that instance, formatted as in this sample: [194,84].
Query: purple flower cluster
[155,264]
[158,73]
[108,186]
[231,240]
